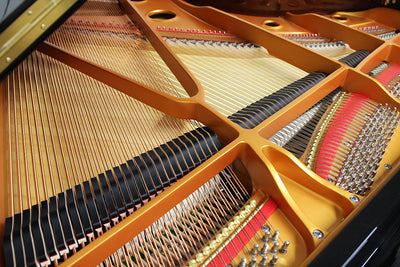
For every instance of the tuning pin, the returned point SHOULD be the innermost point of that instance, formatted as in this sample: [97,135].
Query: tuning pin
[273,261]
[231,226]
[265,229]
[264,261]
[265,237]
[264,249]
[225,232]
[200,257]
[242,214]
[253,262]
[284,247]
[243,262]
[218,237]
[247,209]
[213,244]
[274,248]
[206,251]
[275,236]
[254,250]
[236,220]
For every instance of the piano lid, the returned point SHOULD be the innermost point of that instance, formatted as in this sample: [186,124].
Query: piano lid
[25,23]
[10,10]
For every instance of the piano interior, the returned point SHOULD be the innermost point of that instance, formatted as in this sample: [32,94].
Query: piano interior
[164,133]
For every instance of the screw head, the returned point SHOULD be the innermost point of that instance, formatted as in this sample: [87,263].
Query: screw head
[354,198]
[387,166]
[318,234]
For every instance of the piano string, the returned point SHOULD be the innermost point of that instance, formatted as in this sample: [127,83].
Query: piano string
[65,129]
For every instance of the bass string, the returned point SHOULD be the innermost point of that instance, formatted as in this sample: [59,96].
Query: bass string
[186,227]
[131,55]
[61,138]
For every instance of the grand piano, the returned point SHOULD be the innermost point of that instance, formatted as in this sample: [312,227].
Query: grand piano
[199,133]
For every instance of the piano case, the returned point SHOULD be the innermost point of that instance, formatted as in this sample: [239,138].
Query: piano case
[164,133]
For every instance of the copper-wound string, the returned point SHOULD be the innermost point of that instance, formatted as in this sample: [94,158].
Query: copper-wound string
[135,249]
[93,130]
[35,119]
[48,172]
[50,128]
[159,244]
[86,128]
[74,113]
[181,250]
[50,82]
[235,183]
[24,145]
[125,46]
[10,164]
[184,230]
[152,244]
[16,141]
[67,139]
[73,154]
[78,136]
[194,216]
[68,123]
[30,133]
[118,155]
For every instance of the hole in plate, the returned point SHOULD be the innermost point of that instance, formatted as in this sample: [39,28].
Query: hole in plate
[161,15]
[271,23]
[339,17]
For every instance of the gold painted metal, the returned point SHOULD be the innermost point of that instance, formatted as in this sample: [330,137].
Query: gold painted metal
[277,46]
[330,28]
[389,53]
[285,26]
[385,16]
[301,195]
[160,14]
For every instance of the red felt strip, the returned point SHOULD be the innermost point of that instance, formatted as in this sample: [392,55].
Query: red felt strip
[336,132]
[389,74]
[244,236]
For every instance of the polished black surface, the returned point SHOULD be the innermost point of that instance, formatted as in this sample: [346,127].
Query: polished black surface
[372,238]
[10,10]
